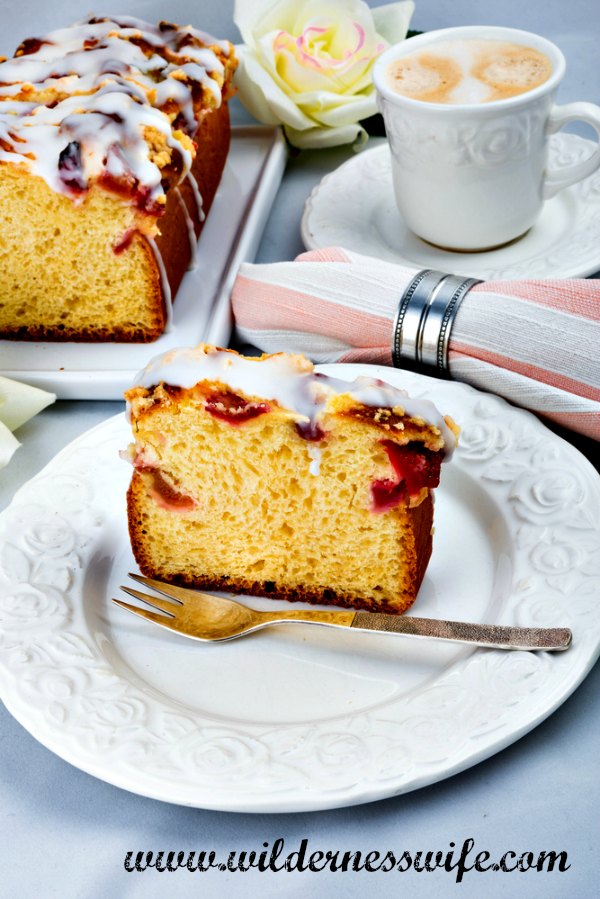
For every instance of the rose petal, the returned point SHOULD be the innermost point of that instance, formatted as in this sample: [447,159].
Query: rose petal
[263,98]
[319,138]
[8,445]
[20,402]
[256,17]
[312,80]
[338,10]
[331,111]
[249,92]
[392,20]
[337,37]
[364,82]
[352,108]
[300,78]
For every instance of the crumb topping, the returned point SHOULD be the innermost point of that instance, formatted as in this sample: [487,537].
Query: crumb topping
[111,101]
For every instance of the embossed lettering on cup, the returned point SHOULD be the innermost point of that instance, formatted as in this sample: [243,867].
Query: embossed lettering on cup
[472,175]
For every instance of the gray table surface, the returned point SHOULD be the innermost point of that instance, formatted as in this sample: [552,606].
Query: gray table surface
[64,833]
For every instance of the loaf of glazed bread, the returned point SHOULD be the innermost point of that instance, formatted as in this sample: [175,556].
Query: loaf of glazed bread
[113,137]
[261,476]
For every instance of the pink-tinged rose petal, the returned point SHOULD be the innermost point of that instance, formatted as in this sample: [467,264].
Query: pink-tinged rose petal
[309,30]
[361,37]
[304,55]
[297,74]
[321,55]
[262,96]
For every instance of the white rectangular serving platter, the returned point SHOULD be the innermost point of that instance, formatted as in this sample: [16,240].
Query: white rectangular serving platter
[201,311]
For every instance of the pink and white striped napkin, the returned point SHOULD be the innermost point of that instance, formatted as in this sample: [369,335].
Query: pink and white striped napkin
[535,342]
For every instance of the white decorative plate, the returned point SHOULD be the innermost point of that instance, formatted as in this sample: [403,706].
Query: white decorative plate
[201,311]
[296,718]
[354,207]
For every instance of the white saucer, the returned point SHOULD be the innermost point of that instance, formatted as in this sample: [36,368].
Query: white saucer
[354,207]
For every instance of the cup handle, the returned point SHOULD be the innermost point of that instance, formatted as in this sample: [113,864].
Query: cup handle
[560,115]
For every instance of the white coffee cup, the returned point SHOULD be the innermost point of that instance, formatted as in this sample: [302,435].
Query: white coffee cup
[473,176]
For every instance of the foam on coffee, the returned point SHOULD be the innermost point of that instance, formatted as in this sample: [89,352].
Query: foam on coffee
[468,71]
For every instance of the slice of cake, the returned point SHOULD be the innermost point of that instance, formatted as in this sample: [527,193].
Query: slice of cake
[262,476]
[113,138]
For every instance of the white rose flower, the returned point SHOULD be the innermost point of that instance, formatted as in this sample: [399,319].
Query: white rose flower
[307,64]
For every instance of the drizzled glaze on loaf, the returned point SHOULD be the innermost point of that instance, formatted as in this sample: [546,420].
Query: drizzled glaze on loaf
[291,381]
[111,101]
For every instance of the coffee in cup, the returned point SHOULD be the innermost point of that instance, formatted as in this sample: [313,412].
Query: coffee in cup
[469,71]
[468,114]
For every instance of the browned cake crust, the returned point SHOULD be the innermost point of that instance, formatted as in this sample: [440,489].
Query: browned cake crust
[213,139]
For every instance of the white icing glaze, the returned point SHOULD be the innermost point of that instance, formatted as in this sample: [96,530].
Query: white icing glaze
[287,380]
[197,195]
[107,83]
[190,229]
[110,145]
[315,459]
[166,287]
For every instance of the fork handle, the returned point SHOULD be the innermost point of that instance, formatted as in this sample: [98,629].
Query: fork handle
[493,636]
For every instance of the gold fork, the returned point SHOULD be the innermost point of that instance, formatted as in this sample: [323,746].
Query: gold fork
[211,618]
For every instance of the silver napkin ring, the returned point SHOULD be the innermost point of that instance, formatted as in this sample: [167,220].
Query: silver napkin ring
[424,319]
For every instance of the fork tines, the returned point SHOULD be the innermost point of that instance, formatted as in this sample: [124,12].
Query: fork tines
[165,606]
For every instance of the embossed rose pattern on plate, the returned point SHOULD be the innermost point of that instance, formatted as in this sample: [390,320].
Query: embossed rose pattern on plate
[294,719]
